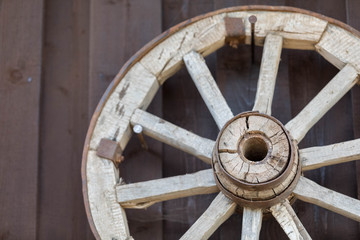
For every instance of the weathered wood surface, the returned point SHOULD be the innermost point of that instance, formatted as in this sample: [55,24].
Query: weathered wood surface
[353,7]
[182,102]
[218,212]
[108,216]
[203,36]
[339,47]
[316,157]
[135,90]
[112,27]
[326,99]
[253,171]
[286,217]
[21,26]
[144,194]
[268,72]
[307,73]
[208,89]
[173,135]
[251,224]
[311,192]
[64,120]
[293,27]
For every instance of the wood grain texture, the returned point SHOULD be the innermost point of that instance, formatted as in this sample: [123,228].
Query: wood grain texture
[204,36]
[121,30]
[113,25]
[144,194]
[286,217]
[184,107]
[64,120]
[20,70]
[208,89]
[316,157]
[293,27]
[108,216]
[250,135]
[311,192]
[251,224]
[173,135]
[135,90]
[268,72]
[339,47]
[308,74]
[323,101]
[117,31]
[218,212]
[354,21]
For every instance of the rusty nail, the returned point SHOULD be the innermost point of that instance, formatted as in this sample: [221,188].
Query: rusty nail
[119,159]
[138,129]
[252,20]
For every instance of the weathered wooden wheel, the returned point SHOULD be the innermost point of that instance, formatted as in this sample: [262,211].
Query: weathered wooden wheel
[255,160]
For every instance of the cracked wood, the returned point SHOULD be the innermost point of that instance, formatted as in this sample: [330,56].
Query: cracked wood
[317,157]
[220,209]
[144,194]
[290,223]
[173,135]
[251,224]
[208,89]
[268,72]
[311,192]
[322,102]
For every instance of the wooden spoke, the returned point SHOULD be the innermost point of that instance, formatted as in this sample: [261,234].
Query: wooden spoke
[207,87]
[322,102]
[268,71]
[286,217]
[251,224]
[316,157]
[218,212]
[144,194]
[173,135]
[311,192]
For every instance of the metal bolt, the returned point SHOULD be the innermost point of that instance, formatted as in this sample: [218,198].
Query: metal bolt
[138,129]
[252,20]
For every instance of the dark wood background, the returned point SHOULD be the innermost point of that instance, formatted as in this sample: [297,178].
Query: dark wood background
[58,56]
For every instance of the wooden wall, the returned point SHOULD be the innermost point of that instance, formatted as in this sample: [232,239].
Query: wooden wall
[57,58]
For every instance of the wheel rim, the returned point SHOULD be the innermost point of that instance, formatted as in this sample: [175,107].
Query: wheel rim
[99,170]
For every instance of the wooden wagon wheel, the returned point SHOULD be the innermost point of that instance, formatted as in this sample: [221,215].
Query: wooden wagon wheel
[255,160]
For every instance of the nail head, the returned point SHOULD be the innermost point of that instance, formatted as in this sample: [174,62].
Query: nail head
[252,19]
[137,129]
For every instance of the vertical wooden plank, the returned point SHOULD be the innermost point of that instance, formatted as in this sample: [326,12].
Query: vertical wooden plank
[64,120]
[183,105]
[309,73]
[238,77]
[119,28]
[353,19]
[20,76]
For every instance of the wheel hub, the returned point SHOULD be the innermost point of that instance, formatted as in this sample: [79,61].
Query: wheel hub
[255,161]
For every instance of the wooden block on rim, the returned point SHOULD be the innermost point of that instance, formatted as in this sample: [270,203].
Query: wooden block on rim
[110,150]
[235,31]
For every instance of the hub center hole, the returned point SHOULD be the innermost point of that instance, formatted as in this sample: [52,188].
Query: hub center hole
[255,149]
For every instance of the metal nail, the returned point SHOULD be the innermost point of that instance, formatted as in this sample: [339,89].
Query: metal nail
[252,20]
[138,129]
